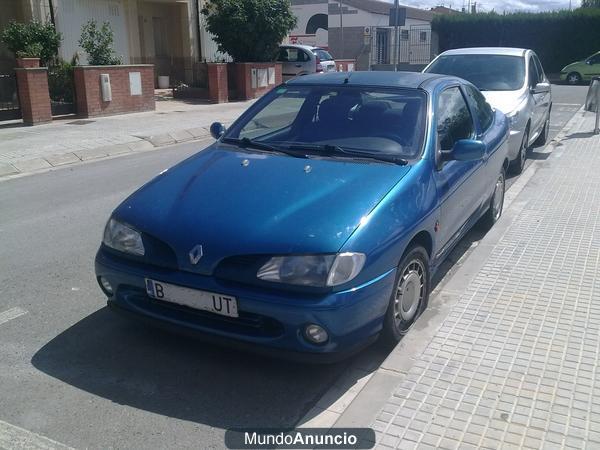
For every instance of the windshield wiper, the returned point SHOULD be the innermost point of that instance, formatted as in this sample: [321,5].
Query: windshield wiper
[249,143]
[332,150]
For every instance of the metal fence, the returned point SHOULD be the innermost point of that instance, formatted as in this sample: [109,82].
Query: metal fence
[9,99]
[412,47]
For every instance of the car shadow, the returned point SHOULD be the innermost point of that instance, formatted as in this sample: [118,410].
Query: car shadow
[150,369]
[579,135]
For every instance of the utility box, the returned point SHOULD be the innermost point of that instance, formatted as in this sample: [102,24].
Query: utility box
[105,87]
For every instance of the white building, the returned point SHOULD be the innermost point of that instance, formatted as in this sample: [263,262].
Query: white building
[361,30]
[167,33]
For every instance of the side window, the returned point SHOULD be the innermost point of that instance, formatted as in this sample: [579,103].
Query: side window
[454,119]
[484,112]
[595,59]
[533,73]
[283,55]
[540,69]
[302,56]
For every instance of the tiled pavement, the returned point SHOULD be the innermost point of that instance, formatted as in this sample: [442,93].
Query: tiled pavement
[515,363]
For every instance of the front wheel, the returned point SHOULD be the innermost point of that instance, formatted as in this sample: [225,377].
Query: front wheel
[494,211]
[543,137]
[574,78]
[517,166]
[410,295]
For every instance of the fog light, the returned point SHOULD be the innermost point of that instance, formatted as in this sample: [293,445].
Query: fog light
[315,334]
[106,286]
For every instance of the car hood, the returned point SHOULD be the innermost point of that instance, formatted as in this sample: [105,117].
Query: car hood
[505,101]
[234,202]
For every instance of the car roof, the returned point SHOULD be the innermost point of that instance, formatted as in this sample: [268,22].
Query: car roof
[303,47]
[412,80]
[509,51]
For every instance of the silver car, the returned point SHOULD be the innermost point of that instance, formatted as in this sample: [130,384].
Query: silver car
[299,60]
[513,81]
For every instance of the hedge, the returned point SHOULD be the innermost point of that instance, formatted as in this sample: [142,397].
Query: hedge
[559,38]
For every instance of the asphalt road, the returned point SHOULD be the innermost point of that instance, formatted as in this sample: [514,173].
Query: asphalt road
[74,372]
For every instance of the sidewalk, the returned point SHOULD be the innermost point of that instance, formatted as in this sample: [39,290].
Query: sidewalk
[507,354]
[72,140]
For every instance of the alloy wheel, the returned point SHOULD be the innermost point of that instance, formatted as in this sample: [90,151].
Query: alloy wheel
[498,198]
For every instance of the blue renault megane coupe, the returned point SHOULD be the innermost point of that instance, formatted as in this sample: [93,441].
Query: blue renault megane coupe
[314,223]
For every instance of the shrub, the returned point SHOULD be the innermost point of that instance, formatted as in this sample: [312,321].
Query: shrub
[98,44]
[558,38]
[61,81]
[32,39]
[249,30]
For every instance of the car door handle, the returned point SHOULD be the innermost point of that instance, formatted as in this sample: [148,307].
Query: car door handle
[298,65]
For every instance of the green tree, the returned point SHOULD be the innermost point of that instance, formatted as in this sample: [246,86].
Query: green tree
[590,3]
[32,39]
[98,44]
[249,30]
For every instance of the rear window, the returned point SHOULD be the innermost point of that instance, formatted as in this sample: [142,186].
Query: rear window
[323,55]
[487,72]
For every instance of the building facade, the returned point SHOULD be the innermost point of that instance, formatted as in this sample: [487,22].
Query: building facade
[360,30]
[167,33]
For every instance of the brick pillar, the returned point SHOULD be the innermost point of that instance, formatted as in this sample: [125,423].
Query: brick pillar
[218,90]
[34,96]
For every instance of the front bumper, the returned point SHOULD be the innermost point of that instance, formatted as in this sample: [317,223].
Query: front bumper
[270,321]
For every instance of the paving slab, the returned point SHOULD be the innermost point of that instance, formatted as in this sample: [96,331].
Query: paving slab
[31,165]
[62,159]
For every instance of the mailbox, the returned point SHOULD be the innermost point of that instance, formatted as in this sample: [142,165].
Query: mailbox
[105,87]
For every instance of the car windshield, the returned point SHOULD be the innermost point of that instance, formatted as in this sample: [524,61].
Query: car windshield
[374,122]
[487,72]
[323,55]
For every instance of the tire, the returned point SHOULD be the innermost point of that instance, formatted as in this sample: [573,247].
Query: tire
[517,166]
[412,281]
[574,78]
[543,137]
[494,211]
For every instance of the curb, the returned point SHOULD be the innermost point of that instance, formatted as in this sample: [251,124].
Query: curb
[140,144]
[360,402]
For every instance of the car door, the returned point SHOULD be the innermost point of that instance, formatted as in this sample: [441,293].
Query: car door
[293,62]
[542,99]
[459,183]
[592,66]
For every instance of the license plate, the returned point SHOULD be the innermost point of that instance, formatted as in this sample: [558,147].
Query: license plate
[225,305]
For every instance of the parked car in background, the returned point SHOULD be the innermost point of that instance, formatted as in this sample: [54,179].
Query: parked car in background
[303,59]
[513,81]
[580,71]
[314,223]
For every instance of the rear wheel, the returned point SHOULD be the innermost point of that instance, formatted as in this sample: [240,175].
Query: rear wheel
[410,295]
[574,78]
[494,211]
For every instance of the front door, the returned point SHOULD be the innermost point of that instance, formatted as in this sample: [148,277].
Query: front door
[294,61]
[459,183]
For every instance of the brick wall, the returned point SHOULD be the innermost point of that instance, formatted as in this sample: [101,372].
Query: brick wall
[241,80]
[89,94]
[218,90]
[33,95]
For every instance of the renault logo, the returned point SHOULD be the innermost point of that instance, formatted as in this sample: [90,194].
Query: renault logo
[195,254]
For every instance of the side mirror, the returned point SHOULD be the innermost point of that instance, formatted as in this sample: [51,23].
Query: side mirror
[541,88]
[217,129]
[466,150]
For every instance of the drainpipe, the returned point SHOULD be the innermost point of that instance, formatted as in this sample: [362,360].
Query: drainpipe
[51,7]
[199,28]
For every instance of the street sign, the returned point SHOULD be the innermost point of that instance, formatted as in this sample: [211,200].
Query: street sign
[400,14]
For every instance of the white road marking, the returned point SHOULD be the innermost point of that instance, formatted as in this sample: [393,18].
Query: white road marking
[11,314]
[17,438]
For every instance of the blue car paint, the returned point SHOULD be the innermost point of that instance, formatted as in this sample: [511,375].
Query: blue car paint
[274,206]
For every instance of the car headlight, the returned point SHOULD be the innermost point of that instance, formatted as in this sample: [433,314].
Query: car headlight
[123,238]
[313,270]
